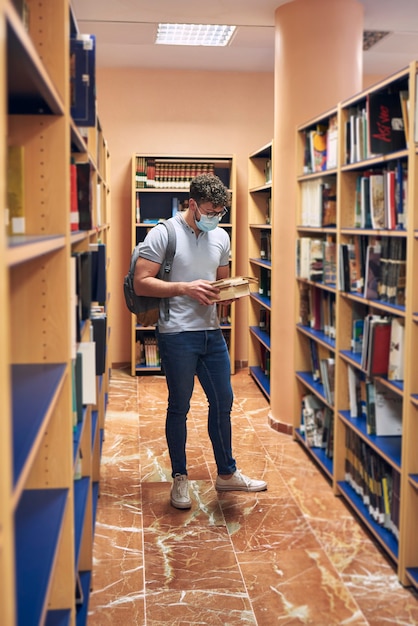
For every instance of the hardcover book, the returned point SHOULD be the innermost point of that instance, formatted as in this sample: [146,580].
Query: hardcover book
[232,288]
[379,349]
[83,79]
[372,272]
[388,410]
[377,201]
[386,124]
[396,350]
[15,191]
[313,420]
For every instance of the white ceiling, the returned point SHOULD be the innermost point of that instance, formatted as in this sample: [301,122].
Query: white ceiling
[125,31]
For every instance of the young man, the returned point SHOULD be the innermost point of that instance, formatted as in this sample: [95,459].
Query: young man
[191,342]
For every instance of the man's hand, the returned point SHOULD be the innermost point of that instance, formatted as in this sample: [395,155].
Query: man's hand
[202,291]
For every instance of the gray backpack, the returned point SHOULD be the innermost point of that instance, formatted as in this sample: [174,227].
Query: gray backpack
[147,308]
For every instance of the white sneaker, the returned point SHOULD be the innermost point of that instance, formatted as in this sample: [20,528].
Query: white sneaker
[239,482]
[179,496]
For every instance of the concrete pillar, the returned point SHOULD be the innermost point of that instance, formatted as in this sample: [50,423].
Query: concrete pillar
[318,63]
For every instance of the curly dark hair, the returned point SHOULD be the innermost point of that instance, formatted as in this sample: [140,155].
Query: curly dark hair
[209,188]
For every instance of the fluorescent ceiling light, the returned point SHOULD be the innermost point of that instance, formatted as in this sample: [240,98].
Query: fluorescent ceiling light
[194,34]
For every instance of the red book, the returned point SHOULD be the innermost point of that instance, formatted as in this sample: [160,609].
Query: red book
[74,217]
[380,346]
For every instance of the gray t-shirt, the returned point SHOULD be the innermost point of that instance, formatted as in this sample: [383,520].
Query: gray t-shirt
[195,258]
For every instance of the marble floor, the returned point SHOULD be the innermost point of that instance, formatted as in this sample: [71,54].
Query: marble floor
[291,555]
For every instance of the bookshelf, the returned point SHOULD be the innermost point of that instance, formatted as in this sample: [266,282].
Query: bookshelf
[356,311]
[48,490]
[260,202]
[160,187]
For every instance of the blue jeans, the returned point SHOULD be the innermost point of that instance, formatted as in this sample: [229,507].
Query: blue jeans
[204,354]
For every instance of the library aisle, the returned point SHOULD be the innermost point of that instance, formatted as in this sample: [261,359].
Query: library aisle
[291,555]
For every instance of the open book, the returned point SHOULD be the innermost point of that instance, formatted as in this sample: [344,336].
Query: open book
[232,288]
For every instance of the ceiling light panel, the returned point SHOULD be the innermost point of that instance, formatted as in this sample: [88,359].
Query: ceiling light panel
[194,34]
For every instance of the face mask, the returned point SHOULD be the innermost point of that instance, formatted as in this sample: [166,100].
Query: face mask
[205,224]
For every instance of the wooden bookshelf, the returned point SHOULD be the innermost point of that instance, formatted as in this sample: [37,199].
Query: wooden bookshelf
[260,202]
[373,469]
[46,511]
[159,183]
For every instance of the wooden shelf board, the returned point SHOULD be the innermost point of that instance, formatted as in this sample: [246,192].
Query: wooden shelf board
[147,368]
[23,248]
[413,479]
[261,263]
[38,523]
[262,188]
[262,153]
[261,226]
[261,379]
[95,494]
[376,304]
[34,388]
[77,434]
[265,302]
[317,453]
[82,609]
[412,573]
[261,335]
[353,357]
[29,87]
[81,492]
[59,617]
[318,388]
[388,447]
[94,422]
[383,535]
[318,335]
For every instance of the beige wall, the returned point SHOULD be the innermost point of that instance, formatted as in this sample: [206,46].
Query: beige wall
[177,112]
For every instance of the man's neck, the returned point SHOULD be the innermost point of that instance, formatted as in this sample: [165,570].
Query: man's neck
[190,221]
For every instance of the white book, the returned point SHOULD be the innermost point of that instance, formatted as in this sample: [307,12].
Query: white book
[87,349]
[352,391]
[388,411]
[396,351]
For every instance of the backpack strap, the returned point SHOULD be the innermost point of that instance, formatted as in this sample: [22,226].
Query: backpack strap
[168,262]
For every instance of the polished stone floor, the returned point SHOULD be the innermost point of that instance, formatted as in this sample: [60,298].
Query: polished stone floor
[291,555]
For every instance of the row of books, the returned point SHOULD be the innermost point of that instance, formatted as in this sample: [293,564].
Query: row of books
[224,314]
[264,284]
[147,352]
[380,341]
[316,424]
[316,259]
[15,208]
[88,286]
[319,203]
[264,319]
[268,171]
[323,371]
[381,198]
[379,405]
[375,345]
[81,202]
[375,268]
[374,480]
[317,309]
[265,245]
[378,127]
[83,80]
[265,360]
[159,174]
[321,144]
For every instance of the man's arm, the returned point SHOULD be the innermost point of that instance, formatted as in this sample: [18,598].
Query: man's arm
[146,283]
[222,272]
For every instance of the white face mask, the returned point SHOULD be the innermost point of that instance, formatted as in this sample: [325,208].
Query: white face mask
[206,223]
